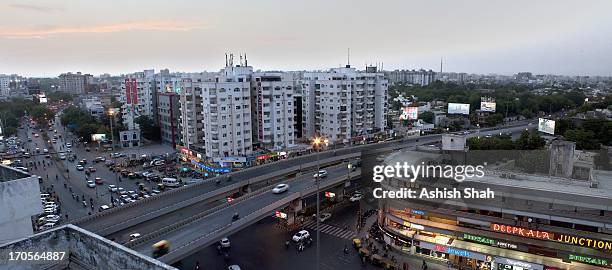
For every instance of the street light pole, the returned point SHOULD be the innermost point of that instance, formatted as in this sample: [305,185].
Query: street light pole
[317,143]
[318,208]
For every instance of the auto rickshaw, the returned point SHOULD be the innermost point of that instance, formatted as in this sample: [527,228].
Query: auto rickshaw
[160,248]
[356,243]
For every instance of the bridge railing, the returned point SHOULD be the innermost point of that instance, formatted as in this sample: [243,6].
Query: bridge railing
[276,173]
[220,232]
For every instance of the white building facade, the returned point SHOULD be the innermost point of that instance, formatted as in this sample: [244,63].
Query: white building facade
[273,112]
[5,86]
[344,103]
[226,109]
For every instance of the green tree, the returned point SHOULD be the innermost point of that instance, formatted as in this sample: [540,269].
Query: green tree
[427,116]
[495,119]
[149,129]
[584,139]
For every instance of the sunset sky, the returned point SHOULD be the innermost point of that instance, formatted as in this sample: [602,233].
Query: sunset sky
[48,37]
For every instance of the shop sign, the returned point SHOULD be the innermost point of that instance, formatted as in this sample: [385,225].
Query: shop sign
[506,245]
[524,265]
[210,169]
[454,251]
[417,212]
[260,157]
[478,239]
[562,238]
[589,260]
[522,231]
[584,242]
[229,159]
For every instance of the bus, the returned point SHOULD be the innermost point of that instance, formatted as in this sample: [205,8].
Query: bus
[160,248]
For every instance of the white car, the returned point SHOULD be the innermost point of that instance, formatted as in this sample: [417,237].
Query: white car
[45,150]
[80,168]
[47,226]
[225,242]
[62,156]
[104,207]
[301,235]
[68,145]
[91,184]
[134,236]
[280,188]
[356,197]
[233,267]
[321,174]
[112,188]
[52,218]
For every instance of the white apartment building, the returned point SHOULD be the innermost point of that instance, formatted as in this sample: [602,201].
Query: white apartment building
[5,86]
[191,116]
[74,83]
[226,107]
[343,103]
[273,112]
[139,97]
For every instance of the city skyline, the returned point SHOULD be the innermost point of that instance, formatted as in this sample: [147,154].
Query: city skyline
[44,39]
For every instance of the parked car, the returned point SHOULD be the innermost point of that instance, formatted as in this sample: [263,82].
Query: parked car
[91,184]
[99,181]
[280,188]
[104,207]
[79,167]
[112,188]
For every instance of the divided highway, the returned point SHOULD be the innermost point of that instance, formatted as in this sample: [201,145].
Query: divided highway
[194,233]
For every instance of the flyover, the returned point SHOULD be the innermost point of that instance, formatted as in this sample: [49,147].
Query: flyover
[191,234]
[202,195]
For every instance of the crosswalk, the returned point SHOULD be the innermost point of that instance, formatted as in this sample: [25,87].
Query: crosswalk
[330,229]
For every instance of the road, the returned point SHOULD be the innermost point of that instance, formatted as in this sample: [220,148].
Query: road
[218,219]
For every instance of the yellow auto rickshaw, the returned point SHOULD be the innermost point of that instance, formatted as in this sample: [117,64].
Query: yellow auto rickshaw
[160,248]
[356,243]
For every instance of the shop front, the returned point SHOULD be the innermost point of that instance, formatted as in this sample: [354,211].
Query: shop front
[459,258]
[501,263]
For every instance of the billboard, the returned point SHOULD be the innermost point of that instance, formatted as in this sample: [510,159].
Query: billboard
[487,106]
[546,126]
[409,113]
[458,108]
[98,137]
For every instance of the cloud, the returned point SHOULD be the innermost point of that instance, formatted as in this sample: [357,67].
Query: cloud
[33,8]
[43,32]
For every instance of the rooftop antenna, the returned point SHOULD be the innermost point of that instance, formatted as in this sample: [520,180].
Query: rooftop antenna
[240,59]
[225,59]
[245,60]
[348,57]
[440,65]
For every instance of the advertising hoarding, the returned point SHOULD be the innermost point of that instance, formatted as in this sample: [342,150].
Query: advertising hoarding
[98,137]
[487,106]
[546,126]
[409,113]
[458,108]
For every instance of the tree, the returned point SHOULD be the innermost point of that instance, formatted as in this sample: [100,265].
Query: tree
[584,139]
[150,130]
[427,116]
[494,119]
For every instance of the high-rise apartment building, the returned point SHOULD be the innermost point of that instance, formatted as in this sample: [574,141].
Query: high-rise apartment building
[74,83]
[419,77]
[226,107]
[5,86]
[139,98]
[344,103]
[168,117]
[191,117]
[273,111]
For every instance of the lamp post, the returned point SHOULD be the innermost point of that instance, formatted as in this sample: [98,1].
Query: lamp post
[317,141]
[111,113]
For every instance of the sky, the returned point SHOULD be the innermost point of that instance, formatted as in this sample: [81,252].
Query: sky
[49,37]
